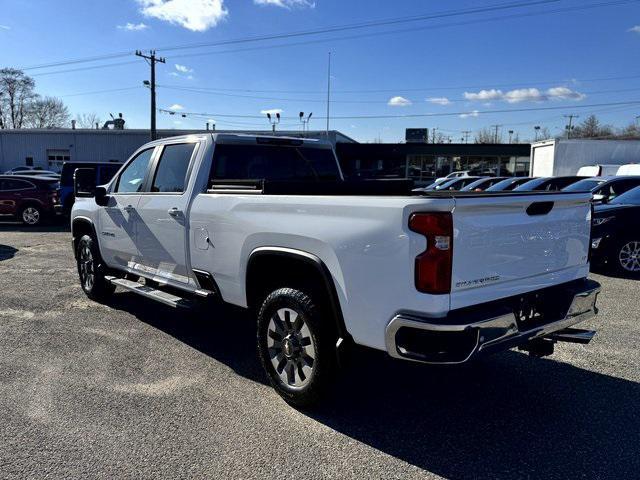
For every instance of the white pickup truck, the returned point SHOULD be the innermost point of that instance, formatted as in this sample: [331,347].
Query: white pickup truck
[269,223]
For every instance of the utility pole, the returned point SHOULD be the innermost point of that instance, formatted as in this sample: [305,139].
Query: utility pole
[433,135]
[569,127]
[495,135]
[466,134]
[151,59]
[328,91]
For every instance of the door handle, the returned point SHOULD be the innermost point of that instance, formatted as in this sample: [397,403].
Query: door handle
[174,212]
[129,208]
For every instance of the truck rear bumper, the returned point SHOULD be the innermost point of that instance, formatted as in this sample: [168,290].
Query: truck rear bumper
[494,326]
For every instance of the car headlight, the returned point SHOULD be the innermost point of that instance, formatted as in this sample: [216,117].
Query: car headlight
[600,220]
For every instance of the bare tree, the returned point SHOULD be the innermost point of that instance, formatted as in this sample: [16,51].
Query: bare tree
[630,131]
[87,120]
[47,112]
[484,135]
[16,94]
[591,128]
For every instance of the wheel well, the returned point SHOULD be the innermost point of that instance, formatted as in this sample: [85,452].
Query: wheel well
[80,227]
[29,203]
[269,270]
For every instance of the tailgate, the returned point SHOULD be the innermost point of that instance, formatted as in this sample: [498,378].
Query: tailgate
[509,244]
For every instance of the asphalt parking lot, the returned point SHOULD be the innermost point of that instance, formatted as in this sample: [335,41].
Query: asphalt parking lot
[136,389]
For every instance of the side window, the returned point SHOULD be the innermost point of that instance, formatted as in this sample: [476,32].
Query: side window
[132,178]
[251,162]
[171,174]
[10,184]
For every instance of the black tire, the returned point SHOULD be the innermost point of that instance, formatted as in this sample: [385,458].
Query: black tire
[31,215]
[91,270]
[302,346]
[626,257]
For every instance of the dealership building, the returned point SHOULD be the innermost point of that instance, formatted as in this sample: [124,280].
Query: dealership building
[418,160]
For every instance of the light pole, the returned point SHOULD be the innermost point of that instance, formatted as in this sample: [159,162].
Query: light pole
[536,129]
[305,121]
[273,120]
[510,135]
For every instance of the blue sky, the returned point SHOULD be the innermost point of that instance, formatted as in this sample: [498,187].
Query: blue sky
[465,65]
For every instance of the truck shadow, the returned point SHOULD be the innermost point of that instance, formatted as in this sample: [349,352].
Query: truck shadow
[45,228]
[509,416]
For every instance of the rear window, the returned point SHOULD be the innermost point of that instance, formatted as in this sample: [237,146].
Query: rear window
[273,162]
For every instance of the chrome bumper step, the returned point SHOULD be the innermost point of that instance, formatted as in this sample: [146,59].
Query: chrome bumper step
[427,340]
[573,335]
[152,293]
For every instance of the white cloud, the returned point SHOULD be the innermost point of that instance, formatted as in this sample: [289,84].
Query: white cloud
[399,102]
[271,111]
[525,95]
[287,3]
[5,27]
[133,27]
[183,68]
[635,29]
[194,15]
[483,95]
[564,93]
[176,106]
[474,113]
[439,100]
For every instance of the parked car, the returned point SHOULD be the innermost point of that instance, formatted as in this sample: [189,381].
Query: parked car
[21,169]
[104,171]
[433,185]
[549,184]
[615,237]
[36,173]
[508,184]
[457,174]
[31,200]
[456,183]
[604,189]
[481,184]
[269,224]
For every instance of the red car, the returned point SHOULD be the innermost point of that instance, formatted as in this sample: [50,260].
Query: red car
[30,200]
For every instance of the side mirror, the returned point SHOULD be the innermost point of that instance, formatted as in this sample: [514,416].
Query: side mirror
[84,182]
[600,198]
[101,196]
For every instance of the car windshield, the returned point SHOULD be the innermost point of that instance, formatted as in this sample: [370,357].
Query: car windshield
[583,186]
[632,197]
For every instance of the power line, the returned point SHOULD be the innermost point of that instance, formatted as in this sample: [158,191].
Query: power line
[346,27]
[212,91]
[422,115]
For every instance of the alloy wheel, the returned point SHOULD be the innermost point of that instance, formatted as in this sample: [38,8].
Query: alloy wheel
[87,272]
[31,215]
[291,347]
[629,256]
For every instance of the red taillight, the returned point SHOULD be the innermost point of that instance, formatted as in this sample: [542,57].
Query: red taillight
[433,266]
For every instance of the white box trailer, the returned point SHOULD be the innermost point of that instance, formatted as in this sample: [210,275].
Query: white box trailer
[556,157]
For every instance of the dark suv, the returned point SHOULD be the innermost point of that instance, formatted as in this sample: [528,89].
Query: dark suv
[30,200]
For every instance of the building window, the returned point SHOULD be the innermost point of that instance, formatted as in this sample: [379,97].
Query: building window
[55,158]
